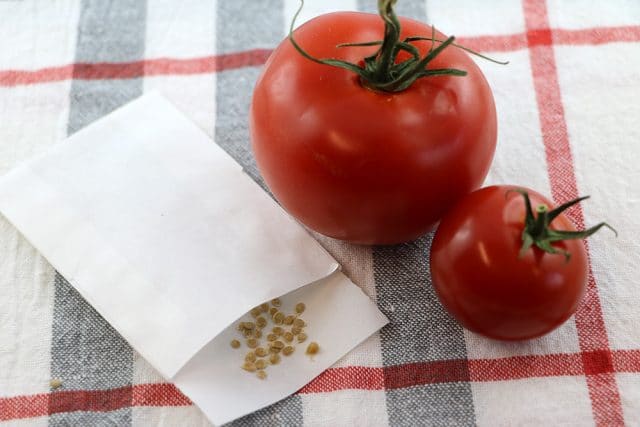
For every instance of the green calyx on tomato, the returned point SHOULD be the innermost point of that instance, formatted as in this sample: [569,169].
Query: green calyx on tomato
[382,71]
[538,232]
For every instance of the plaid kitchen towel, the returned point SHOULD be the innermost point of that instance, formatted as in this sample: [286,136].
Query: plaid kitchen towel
[569,120]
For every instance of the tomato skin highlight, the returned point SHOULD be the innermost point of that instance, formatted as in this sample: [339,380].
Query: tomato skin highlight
[364,166]
[481,280]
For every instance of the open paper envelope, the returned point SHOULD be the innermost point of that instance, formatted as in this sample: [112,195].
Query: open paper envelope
[162,232]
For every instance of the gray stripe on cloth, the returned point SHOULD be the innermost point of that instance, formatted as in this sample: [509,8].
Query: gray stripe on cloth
[86,352]
[420,330]
[431,405]
[121,417]
[415,9]
[242,26]
[108,31]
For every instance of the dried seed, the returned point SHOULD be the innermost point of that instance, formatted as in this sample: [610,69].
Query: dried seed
[302,337]
[288,336]
[255,312]
[272,337]
[277,344]
[55,383]
[248,366]
[274,349]
[299,323]
[261,352]
[289,319]
[246,326]
[264,307]
[261,364]
[288,350]
[278,330]
[257,333]
[313,348]
[247,333]
[300,307]
[250,357]
[278,318]
[274,359]
[276,302]
[296,330]
[235,344]
[261,322]
[273,311]
[252,343]
[261,374]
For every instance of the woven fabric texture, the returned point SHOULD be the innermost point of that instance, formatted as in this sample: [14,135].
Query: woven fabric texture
[568,125]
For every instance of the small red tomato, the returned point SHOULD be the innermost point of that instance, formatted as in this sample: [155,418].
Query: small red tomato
[506,271]
[361,161]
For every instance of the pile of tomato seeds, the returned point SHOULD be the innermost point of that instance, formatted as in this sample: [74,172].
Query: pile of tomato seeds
[287,332]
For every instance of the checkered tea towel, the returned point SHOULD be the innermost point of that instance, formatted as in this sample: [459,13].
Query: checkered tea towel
[569,124]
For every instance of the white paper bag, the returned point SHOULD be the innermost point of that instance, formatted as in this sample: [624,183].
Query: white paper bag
[161,231]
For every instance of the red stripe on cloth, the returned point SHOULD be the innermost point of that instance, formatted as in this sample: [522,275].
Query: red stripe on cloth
[444,371]
[433,372]
[592,334]
[519,367]
[507,43]
[163,394]
[456,370]
[345,378]
[128,70]
[545,37]
[596,36]
[252,58]
[43,75]
[18,407]
[89,400]
[626,361]
[349,377]
[597,362]
[210,64]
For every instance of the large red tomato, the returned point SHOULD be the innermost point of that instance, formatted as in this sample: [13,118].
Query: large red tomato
[363,165]
[484,280]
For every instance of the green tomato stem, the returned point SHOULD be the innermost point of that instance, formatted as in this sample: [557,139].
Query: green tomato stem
[537,230]
[382,71]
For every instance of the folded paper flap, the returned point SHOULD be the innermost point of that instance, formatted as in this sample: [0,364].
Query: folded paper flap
[159,229]
[338,316]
